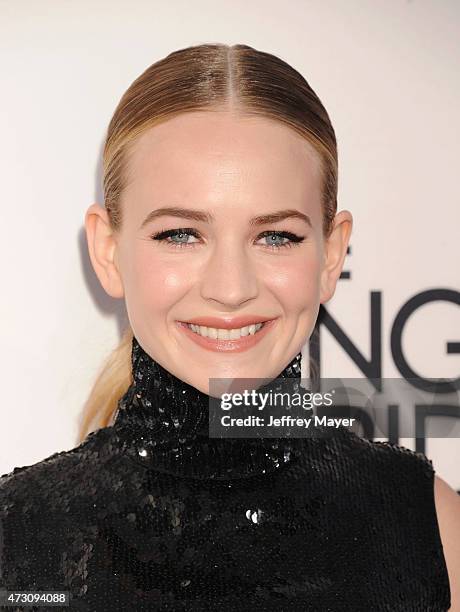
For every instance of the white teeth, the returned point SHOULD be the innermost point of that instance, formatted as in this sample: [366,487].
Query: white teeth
[225,334]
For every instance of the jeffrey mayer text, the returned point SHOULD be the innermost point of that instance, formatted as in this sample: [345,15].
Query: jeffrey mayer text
[286,421]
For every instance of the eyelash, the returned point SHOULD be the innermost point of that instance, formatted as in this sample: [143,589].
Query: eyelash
[163,236]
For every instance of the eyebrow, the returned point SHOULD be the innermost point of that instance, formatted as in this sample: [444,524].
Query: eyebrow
[200,215]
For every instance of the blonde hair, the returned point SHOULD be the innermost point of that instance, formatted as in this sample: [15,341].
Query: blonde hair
[206,77]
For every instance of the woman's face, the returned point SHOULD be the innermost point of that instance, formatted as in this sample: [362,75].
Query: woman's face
[229,263]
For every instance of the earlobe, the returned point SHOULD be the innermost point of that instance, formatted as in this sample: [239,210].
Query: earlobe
[102,247]
[336,249]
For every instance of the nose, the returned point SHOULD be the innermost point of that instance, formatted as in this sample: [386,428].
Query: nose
[229,277]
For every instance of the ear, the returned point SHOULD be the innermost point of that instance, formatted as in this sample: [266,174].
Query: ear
[102,247]
[335,250]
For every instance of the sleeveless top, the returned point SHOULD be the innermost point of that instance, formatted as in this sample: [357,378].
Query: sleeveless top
[150,513]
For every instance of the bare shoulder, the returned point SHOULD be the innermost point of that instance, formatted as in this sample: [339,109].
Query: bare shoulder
[448,512]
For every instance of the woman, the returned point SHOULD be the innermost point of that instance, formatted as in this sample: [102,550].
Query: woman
[220,232]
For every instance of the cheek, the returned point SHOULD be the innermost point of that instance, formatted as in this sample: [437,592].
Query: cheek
[297,285]
[154,284]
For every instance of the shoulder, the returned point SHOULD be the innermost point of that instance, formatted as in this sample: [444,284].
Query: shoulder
[405,476]
[412,500]
[55,510]
[50,509]
[430,505]
[47,507]
[448,514]
[49,485]
[41,470]
[389,461]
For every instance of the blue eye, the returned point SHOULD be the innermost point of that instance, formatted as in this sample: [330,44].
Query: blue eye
[178,238]
[181,233]
[292,239]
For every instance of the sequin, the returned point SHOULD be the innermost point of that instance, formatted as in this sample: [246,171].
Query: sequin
[153,514]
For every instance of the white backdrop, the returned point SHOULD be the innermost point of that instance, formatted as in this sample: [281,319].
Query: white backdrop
[387,72]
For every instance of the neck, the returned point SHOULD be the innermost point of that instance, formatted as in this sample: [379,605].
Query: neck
[167,422]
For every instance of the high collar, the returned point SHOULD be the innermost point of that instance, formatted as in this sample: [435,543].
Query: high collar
[166,423]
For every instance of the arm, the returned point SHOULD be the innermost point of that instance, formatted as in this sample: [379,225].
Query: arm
[448,512]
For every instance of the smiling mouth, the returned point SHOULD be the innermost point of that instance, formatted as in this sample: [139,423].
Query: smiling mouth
[216,333]
[221,339]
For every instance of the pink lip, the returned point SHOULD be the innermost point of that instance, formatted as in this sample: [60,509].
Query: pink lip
[235,346]
[228,322]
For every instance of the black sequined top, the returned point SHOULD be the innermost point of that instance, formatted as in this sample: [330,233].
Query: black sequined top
[151,513]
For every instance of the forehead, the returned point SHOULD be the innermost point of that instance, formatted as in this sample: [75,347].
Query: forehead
[209,154]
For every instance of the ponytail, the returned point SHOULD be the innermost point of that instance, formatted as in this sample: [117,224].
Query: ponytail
[111,384]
